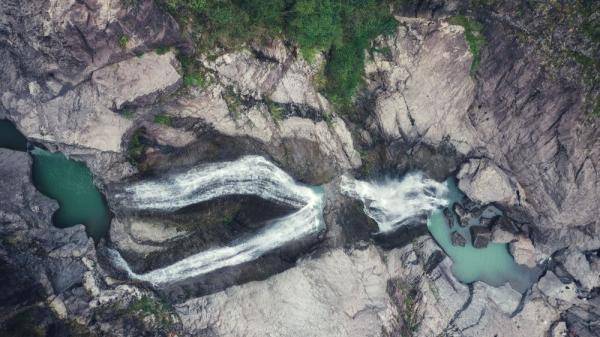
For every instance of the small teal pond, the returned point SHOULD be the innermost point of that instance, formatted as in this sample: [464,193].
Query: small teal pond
[493,265]
[11,138]
[67,181]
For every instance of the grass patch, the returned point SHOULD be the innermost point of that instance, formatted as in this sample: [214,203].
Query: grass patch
[163,119]
[473,36]
[128,113]
[123,41]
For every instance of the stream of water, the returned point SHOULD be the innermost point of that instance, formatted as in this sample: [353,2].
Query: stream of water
[250,175]
[391,202]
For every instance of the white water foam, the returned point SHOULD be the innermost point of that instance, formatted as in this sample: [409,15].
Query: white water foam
[391,202]
[249,175]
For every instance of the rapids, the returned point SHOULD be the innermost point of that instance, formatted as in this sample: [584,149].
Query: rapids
[250,175]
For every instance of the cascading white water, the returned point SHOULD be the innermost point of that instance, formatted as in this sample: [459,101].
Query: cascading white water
[249,175]
[392,202]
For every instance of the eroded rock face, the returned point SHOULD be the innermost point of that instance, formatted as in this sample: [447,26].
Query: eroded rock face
[314,151]
[427,84]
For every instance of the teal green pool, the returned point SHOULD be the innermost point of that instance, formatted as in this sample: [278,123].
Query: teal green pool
[71,184]
[11,138]
[493,265]
[67,181]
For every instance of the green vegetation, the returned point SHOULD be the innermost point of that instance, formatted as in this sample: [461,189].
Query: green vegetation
[406,298]
[163,119]
[474,37]
[233,101]
[195,79]
[148,306]
[136,148]
[163,50]
[127,113]
[276,110]
[342,29]
[23,324]
[123,41]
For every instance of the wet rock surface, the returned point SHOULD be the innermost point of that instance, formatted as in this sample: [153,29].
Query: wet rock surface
[457,239]
[480,236]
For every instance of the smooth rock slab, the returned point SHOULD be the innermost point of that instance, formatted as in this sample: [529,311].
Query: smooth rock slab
[484,182]
[334,295]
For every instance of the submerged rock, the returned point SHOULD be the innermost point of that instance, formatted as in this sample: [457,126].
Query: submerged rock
[457,239]
[449,218]
[480,236]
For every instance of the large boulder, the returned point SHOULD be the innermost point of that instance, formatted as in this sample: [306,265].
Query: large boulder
[312,150]
[484,182]
[480,236]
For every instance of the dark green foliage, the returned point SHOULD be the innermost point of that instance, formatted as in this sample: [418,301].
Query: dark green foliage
[315,25]
[341,28]
[163,50]
[162,119]
[23,324]
[127,113]
[123,41]
[136,147]
[474,37]
[194,80]
[148,306]
[276,110]
[362,21]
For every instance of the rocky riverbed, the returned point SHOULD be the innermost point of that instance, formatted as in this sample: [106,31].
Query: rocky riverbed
[514,133]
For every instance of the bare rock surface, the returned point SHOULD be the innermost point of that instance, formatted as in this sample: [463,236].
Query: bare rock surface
[312,150]
[484,182]
[427,84]
[337,294]
[84,116]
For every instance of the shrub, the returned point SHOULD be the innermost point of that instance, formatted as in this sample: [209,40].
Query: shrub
[123,41]
[315,26]
[341,28]
[473,36]
[136,147]
[163,50]
[195,79]
[162,119]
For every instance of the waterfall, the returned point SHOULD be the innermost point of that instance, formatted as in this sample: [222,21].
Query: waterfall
[391,203]
[250,175]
